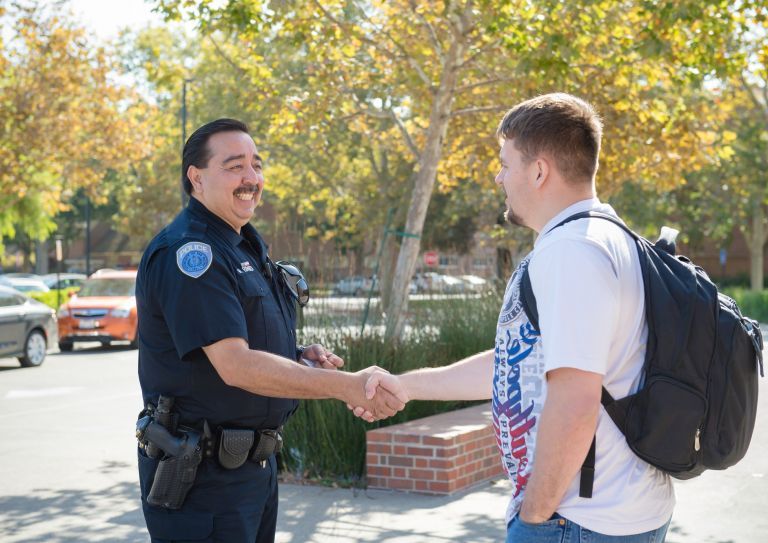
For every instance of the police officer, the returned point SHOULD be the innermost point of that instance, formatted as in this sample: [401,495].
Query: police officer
[217,335]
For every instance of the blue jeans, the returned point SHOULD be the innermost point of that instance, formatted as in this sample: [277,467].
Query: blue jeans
[559,529]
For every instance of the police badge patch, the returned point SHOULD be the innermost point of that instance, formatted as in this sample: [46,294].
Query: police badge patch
[194,258]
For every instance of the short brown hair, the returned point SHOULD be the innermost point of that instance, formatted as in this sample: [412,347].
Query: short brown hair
[565,127]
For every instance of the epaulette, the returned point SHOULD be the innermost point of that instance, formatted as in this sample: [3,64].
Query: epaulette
[192,230]
[195,228]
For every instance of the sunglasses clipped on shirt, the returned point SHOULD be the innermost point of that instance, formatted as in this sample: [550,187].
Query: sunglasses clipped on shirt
[295,281]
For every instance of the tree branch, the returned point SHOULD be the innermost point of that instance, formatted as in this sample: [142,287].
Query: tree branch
[403,51]
[359,35]
[491,81]
[430,30]
[483,49]
[406,136]
[763,108]
[479,109]
[223,55]
[389,114]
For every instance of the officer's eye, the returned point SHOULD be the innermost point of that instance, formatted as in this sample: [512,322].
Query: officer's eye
[236,167]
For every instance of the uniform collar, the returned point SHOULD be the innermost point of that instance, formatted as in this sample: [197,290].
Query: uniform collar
[247,232]
[197,209]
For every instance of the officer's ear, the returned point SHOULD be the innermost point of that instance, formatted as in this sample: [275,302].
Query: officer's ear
[194,175]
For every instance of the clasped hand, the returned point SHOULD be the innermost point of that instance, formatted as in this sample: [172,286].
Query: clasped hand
[383,395]
[379,394]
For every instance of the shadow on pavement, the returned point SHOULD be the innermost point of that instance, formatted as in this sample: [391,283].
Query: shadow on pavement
[74,515]
[95,348]
[309,514]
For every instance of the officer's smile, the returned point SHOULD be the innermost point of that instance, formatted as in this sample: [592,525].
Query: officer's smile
[247,192]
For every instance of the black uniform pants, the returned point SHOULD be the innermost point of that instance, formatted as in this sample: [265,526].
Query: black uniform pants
[223,506]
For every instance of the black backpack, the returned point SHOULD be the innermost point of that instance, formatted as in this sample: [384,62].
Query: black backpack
[695,409]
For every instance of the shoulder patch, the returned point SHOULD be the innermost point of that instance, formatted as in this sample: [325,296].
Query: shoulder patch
[194,258]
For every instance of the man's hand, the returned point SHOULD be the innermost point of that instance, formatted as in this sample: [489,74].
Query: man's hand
[375,406]
[380,382]
[322,357]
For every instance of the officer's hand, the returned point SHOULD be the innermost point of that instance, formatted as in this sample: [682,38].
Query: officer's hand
[380,381]
[322,357]
[378,403]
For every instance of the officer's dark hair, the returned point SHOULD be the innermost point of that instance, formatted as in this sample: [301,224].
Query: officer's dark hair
[196,151]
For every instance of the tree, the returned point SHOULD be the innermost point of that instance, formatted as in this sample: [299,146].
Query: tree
[751,161]
[440,73]
[66,124]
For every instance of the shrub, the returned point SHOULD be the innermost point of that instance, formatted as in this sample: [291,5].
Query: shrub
[49,298]
[753,304]
[323,440]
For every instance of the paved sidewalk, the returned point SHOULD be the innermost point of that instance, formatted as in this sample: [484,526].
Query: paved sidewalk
[68,475]
[325,515]
[725,507]
[717,507]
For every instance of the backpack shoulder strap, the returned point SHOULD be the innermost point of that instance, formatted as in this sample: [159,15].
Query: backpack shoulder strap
[597,215]
[528,299]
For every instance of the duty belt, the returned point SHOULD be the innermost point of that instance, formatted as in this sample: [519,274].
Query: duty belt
[232,447]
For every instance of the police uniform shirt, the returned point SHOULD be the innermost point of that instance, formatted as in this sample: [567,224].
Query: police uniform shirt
[199,282]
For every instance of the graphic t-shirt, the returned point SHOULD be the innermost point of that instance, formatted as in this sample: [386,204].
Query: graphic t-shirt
[589,294]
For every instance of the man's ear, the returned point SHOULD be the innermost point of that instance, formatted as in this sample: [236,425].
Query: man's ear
[194,174]
[541,171]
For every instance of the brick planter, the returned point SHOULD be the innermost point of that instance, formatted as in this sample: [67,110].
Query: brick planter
[441,454]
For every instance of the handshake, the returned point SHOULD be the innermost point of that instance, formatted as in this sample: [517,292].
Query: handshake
[379,396]
[371,394]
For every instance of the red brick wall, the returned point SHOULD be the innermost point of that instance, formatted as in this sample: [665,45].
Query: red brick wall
[440,454]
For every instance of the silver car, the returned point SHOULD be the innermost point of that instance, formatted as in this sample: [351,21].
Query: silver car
[27,327]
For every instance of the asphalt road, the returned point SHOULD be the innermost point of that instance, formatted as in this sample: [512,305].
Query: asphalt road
[67,474]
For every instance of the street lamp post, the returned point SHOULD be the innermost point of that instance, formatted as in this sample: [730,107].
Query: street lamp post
[87,235]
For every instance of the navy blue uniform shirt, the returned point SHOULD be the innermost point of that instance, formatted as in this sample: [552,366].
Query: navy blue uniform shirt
[199,282]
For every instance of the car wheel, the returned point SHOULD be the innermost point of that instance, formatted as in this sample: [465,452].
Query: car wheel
[34,349]
[65,346]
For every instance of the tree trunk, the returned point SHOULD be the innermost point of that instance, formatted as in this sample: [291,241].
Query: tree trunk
[424,181]
[756,240]
[387,270]
[358,257]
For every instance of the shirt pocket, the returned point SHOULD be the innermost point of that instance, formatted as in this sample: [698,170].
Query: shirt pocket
[259,310]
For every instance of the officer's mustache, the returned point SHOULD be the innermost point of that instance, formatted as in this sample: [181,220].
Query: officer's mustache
[247,189]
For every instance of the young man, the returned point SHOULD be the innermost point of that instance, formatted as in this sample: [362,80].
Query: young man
[546,384]
[217,335]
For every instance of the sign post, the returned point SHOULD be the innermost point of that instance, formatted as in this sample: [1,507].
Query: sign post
[59,257]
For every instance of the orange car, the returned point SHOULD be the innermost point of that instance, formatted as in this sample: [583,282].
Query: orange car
[104,310]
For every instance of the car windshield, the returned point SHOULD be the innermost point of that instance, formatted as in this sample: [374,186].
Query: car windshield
[26,288]
[108,287]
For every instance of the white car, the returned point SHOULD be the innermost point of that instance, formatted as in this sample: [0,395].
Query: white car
[474,283]
[25,284]
[437,282]
[357,285]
